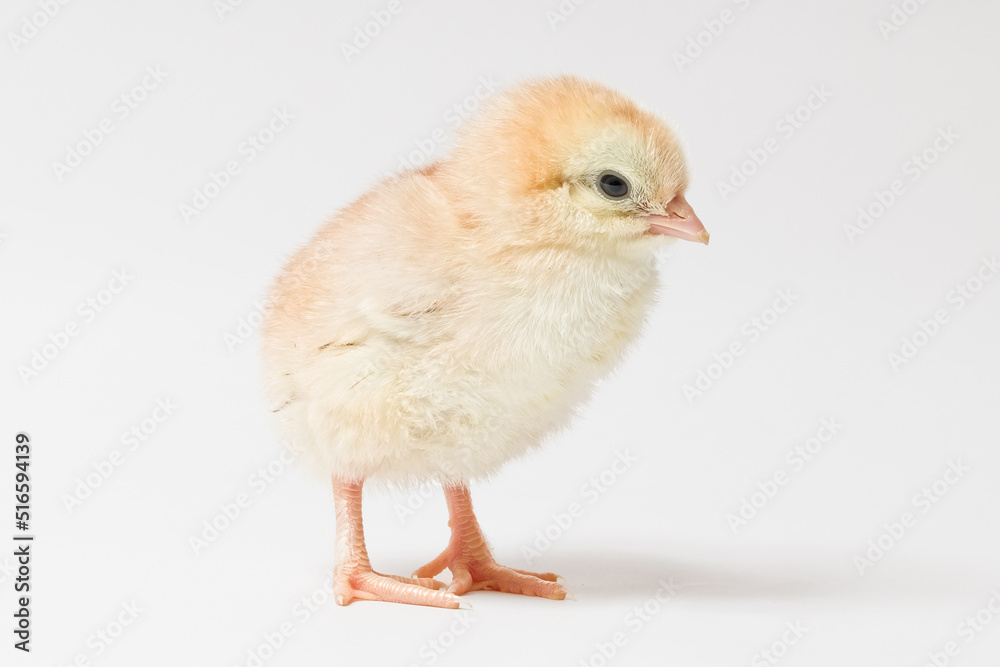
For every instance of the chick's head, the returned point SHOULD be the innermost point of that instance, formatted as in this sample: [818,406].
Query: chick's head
[569,161]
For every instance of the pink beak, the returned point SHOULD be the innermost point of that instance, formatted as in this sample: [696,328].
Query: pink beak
[680,221]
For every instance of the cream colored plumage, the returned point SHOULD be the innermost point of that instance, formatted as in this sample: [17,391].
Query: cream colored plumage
[451,317]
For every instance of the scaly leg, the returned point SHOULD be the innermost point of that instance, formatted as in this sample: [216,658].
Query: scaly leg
[471,562]
[355,579]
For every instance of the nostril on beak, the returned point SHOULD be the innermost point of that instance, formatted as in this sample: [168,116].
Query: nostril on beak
[678,208]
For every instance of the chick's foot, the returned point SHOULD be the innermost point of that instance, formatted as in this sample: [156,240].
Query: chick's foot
[471,562]
[356,580]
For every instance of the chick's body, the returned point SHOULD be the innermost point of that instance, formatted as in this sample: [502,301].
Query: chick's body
[403,348]
[451,317]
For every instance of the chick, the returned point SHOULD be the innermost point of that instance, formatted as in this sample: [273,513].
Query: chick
[450,318]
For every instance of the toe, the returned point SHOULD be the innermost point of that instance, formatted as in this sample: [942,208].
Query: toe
[544,576]
[434,567]
[425,582]
[508,580]
[373,586]
[461,581]
[343,592]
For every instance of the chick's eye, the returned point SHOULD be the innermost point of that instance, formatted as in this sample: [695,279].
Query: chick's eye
[613,185]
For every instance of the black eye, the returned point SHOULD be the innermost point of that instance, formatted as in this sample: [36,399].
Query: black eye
[614,185]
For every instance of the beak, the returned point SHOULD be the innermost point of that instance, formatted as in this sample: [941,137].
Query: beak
[680,221]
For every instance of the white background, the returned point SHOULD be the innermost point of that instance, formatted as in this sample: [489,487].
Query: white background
[164,336]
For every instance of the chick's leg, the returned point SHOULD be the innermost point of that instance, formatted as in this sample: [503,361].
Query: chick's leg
[354,578]
[471,562]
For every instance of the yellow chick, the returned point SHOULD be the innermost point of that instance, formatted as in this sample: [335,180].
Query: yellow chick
[450,318]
